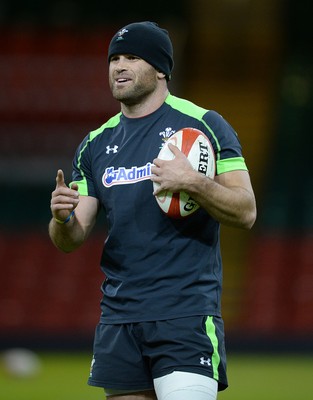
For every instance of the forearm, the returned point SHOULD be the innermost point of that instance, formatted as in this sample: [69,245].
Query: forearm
[66,237]
[73,215]
[230,205]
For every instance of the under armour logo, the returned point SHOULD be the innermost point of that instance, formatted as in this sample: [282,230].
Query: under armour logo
[114,149]
[204,361]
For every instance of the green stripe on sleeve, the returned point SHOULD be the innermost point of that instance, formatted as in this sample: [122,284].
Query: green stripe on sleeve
[230,164]
[194,111]
[186,107]
[210,330]
[111,123]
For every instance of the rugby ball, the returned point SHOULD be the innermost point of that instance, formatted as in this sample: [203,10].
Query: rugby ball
[199,151]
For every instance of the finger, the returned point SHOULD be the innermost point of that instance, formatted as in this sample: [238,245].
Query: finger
[154,168]
[74,186]
[60,179]
[55,208]
[159,191]
[61,204]
[66,198]
[174,149]
[157,162]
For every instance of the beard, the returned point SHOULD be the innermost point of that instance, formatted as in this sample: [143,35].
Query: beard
[136,92]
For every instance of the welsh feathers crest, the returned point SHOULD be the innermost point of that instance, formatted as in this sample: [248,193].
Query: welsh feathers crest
[121,33]
[168,132]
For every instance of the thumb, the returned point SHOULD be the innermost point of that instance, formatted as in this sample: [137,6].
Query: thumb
[60,179]
[174,149]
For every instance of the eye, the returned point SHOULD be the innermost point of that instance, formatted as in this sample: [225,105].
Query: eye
[114,58]
[132,57]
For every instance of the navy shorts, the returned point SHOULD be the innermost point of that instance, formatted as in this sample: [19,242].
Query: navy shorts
[130,356]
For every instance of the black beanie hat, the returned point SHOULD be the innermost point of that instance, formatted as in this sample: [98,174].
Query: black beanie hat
[147,41]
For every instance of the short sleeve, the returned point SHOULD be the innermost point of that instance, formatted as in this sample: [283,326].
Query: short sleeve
[225,142]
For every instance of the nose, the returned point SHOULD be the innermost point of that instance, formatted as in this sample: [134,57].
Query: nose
[120,67]
[119,62]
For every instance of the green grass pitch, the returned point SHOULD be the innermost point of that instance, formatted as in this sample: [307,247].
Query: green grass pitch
[63,376]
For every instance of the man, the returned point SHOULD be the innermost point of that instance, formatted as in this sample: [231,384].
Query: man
[160,333]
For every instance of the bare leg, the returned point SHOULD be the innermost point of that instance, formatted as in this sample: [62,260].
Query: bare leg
[147,395]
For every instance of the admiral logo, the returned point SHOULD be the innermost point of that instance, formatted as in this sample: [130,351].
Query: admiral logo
[126,176]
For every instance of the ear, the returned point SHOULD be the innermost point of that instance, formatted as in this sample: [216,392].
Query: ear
[161,75]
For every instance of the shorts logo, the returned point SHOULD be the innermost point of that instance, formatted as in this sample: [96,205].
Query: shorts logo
[204,361]
[126,176]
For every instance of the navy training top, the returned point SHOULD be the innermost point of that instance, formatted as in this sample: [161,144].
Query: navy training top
[155,267]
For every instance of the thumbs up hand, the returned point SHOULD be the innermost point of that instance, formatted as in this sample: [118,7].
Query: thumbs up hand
[63,199]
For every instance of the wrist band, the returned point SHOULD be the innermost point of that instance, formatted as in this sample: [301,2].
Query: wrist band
[59,221]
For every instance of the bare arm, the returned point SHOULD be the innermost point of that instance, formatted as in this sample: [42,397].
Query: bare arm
[229,198]
[69,236]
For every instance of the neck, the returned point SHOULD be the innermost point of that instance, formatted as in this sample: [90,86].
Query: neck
[146,106]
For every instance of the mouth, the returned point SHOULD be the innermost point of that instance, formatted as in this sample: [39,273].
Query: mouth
[122,81]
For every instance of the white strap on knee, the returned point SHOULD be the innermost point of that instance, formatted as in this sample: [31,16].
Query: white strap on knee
[185,386]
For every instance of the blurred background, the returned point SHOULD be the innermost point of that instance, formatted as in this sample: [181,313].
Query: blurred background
[249,60]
